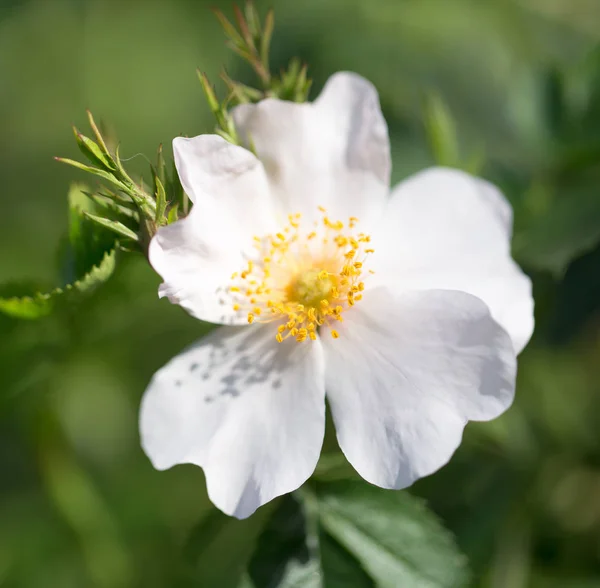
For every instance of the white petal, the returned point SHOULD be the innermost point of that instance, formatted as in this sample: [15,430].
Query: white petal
[197,255]
[407,373]
[446,229]
[195,258]
[218,175]
[334,152]
[248,410]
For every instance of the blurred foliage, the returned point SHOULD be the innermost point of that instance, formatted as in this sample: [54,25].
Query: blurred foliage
[507,88]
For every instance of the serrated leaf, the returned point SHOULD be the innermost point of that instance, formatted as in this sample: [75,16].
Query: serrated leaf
[88,243]
[396,539]
[39,305]
[27,307]
[96,276]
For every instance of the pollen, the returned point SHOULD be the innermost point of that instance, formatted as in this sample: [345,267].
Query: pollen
[303,277]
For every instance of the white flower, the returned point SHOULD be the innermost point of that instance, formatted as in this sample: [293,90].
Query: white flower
[408,310]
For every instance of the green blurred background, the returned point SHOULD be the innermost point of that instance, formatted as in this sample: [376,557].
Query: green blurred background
[80,504]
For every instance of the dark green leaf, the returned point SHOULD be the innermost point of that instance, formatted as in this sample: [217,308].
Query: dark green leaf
[282,558]
[397,540]
[340,568]
[88,243]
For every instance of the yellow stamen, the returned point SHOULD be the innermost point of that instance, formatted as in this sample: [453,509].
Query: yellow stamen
[302,286]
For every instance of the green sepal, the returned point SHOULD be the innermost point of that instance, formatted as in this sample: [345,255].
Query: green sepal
[161,201]
[230,31]
[93,151]
[266,37]
[95,171]
[161,166]
[118,211]
[244,27]
[98,135]
[253,21]
[441,131]
[173,215]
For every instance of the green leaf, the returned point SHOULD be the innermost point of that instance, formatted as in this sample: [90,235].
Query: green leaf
[38,305]
[117,227]
[88,243]
[340,568]
[282,558]
[97,275]
[27,307]
[219,548]
[397,540]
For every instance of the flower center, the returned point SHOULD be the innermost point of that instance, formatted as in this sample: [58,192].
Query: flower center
[311,287]
[302,279]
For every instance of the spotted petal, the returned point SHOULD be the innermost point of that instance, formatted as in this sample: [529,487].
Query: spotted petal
[446,229]
[333,153]
[407,373]
[249,411]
